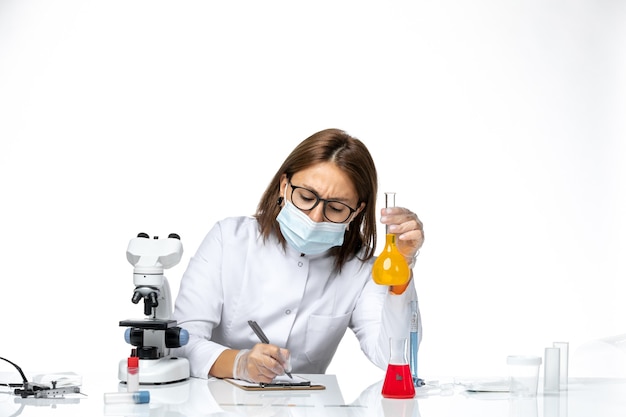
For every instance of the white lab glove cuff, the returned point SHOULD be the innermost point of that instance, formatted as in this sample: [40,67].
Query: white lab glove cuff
[236,373]
[411,262]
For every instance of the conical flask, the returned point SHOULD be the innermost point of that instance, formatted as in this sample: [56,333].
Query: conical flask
[398,379]
[390,268]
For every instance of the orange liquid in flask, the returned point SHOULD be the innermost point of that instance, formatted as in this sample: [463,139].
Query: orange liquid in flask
[390,267]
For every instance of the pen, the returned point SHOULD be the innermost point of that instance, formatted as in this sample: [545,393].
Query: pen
[259,333]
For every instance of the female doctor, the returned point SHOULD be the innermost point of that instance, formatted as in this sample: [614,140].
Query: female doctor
[301,268]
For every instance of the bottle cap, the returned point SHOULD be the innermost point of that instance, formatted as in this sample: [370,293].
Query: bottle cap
[141,397]
[133,362]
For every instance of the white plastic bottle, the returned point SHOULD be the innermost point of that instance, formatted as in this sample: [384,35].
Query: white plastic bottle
[132,374]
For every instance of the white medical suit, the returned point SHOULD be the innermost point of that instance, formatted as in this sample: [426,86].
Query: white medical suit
[299,301]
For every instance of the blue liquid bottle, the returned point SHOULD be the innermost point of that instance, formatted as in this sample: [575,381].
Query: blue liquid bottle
[414,345]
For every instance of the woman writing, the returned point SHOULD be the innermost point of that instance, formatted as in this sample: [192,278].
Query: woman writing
[301,268]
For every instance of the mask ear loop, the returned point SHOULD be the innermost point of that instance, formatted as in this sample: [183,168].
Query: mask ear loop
[353,215]
[349,222]
[280,199]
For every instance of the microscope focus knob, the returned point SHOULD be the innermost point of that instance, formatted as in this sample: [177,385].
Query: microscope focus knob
[176,337]
[133,336]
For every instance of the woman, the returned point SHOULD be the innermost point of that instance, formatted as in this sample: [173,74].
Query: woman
[301,268]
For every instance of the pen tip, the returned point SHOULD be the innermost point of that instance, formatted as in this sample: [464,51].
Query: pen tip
[289,375]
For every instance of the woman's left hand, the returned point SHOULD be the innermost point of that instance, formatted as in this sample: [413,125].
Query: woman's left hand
[407,227]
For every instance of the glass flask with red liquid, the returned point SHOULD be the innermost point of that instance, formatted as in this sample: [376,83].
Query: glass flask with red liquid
[398,379]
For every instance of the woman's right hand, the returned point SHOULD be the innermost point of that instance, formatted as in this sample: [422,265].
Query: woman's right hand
[262,363]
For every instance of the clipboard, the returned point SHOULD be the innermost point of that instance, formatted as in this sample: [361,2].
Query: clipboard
[280,383]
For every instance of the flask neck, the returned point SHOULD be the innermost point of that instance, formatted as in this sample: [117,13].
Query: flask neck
[397,351]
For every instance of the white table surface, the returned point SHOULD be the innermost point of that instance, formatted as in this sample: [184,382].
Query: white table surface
[201,397]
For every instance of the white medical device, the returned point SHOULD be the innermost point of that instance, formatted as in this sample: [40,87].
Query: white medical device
[157,333]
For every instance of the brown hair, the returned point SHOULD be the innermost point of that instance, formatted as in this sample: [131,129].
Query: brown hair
[352,157]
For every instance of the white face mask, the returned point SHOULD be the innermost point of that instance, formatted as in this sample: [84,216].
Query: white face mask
[307,236]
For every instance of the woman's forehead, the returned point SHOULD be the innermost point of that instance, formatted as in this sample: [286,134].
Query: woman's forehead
[327,179]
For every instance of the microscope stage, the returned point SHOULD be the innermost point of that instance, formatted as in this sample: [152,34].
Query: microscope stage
[154,324]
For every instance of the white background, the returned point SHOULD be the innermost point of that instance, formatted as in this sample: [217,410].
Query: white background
[500,123]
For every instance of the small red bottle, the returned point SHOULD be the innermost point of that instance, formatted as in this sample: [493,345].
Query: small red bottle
[398,379]
[132,374]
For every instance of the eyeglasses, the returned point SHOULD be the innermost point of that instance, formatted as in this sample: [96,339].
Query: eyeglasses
[306,200]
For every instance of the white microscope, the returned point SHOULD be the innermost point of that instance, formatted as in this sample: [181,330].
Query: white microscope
[154,335]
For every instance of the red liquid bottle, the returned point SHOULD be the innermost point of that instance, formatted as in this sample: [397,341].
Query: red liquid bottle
[398,379]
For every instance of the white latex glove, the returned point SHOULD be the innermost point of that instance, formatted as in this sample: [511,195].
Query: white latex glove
[407,227]
[262,363]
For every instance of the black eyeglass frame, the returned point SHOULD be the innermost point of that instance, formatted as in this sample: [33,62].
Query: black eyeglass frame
[317,201]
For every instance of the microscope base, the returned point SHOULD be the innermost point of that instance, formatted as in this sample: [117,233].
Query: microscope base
[158,371]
